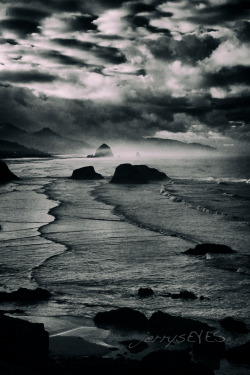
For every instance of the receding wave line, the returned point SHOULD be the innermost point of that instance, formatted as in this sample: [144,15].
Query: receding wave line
[118,211]
[66,248]
[174,198]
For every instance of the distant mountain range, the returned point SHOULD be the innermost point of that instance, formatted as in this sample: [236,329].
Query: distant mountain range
[45,140]
[48,142]
[171,144]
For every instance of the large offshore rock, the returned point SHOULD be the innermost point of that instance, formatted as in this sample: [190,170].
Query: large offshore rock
[136,174]
[86,173]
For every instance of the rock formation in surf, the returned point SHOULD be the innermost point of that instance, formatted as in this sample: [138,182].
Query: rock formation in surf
[104,151]
[205,248]
[25,295]
[145,292]
[136,174]
[124,317]
[5,174]
[86,173]
[184,294]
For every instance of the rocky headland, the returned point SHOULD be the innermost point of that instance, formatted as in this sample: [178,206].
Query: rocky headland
[5,174]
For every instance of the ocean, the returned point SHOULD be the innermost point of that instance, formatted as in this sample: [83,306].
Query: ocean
[93,244]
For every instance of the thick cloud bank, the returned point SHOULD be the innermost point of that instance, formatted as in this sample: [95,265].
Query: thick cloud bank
[128,69]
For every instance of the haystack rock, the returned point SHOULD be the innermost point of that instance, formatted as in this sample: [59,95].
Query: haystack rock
[86,173]
[136,174]
[5,174]
[104,151]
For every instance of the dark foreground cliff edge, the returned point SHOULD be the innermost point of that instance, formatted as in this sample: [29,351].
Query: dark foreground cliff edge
[5,174]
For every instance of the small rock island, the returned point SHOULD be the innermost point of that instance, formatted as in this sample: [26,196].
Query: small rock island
[136,174]
[203,249]
[104,151]
[86,173]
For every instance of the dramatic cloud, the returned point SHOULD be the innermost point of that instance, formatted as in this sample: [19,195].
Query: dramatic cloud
[189,49]
[127,69]
[243,31]
[229,76]
[26,77]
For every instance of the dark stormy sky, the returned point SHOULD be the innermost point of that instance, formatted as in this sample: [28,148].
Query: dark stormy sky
[125,69]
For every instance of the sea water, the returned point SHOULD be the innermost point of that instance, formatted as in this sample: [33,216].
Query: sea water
[93,244]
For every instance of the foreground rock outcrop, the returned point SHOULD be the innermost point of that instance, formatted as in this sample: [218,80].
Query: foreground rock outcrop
[160,323]
[239,354]
[5,174]
[25,295]
[86,173]
[173,362]
[136,174]
[134,346]
[165,324]
[233,325]
[205,248]
[210,346]
[104,151]
[22,341]
[124,318]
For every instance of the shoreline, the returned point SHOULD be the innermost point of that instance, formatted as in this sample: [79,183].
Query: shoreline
[118,211]
[73,338]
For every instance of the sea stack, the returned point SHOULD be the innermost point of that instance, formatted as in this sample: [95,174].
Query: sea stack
[136,174]
[86,173]
[104,151]
[5,174]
